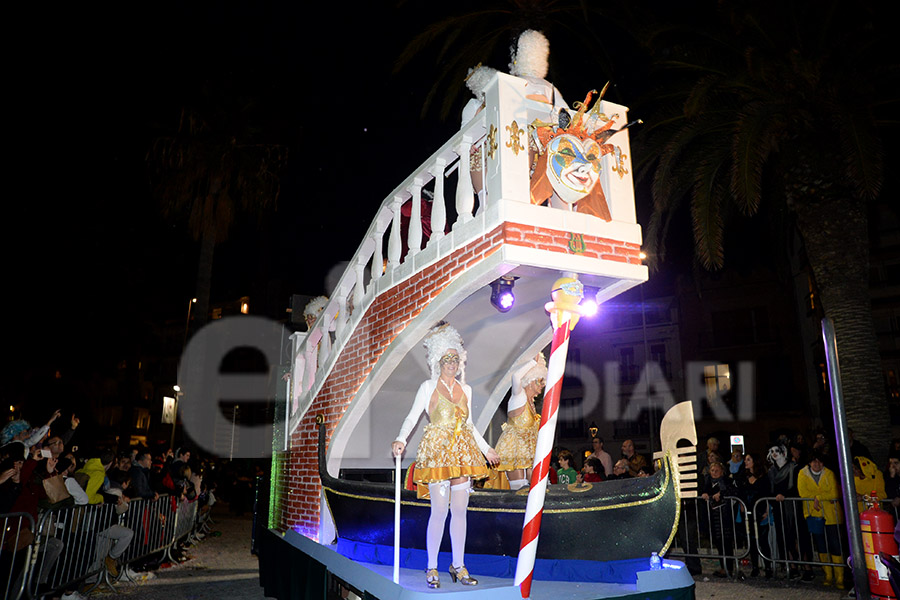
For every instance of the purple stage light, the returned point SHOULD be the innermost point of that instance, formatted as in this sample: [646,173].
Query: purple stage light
[589,308]
[502,297]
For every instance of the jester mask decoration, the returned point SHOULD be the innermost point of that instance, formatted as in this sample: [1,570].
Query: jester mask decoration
[568,166]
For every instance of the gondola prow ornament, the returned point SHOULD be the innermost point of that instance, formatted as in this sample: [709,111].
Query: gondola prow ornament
[564,312]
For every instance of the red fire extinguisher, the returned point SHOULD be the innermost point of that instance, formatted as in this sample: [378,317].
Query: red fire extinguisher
[878,536]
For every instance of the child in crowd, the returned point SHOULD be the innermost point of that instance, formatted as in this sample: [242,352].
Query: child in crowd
[736,462]
[593,469]
[565,474]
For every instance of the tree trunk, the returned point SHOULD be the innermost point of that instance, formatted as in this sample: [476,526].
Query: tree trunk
[836,235]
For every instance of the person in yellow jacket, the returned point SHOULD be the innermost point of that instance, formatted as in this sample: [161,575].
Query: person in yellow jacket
[95,469]
[823,514]
[867,479]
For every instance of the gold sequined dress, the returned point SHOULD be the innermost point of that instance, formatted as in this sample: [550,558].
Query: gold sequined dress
[517,442]
[448,448]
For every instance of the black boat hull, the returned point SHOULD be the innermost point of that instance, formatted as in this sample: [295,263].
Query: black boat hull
[614,520]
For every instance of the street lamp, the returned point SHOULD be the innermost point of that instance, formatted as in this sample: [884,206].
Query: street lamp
[187,323]
[178,392]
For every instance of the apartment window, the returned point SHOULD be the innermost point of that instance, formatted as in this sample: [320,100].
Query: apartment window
[717,379]
[658,355]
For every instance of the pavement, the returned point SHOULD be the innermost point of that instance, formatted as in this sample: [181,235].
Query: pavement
[709,587]
[221,567]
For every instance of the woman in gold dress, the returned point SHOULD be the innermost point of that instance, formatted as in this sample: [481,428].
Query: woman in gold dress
[451,453]
[519,437]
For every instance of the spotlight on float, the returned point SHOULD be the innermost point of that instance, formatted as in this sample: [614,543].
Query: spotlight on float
[502,297]
[589,304]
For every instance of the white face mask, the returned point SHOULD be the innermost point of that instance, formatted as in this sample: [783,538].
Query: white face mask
[777,455]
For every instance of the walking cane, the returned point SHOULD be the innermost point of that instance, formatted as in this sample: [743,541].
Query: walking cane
[396,518]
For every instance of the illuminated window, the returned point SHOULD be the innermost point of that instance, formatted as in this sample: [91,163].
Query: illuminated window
[717,379]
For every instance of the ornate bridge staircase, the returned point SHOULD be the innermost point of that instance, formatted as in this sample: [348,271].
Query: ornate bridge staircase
[360,364]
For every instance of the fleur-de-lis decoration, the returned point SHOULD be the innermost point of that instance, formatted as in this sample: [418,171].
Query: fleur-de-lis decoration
[492,142]
[619,167]
[514,134]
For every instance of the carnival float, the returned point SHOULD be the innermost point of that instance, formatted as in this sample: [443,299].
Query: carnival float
[530,200]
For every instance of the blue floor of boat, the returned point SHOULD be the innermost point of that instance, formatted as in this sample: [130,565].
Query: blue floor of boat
[376,580]
[413,583]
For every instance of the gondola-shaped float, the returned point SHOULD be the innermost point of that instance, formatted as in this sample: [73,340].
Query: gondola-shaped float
[608,521]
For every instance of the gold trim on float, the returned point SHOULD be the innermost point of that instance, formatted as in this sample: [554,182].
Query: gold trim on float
[553,511]
[669,541]
[514,133]
[491,142]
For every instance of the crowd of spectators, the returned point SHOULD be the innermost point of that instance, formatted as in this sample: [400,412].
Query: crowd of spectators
[795,531]
[598,465]
[40,470]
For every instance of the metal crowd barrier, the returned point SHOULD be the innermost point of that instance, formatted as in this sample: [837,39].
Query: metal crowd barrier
[710,529]
[785,539]
[153,523]
[70,546]
[15,553]
[185,519]
[67,547]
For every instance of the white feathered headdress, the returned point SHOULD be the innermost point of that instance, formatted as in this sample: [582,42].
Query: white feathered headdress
[315,306]
[478,78]
[538,371]
[530,57]
[441,338]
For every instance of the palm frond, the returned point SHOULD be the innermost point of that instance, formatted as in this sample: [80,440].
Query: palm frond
[706,210]
[752,142]
[862,151]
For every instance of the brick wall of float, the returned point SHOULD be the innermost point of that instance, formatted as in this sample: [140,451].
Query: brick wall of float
[387,316]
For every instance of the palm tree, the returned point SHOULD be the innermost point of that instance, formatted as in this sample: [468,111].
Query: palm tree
[781,105]
[209,170]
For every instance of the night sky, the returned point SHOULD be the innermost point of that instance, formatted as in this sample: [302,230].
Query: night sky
[89,256]
[90,261]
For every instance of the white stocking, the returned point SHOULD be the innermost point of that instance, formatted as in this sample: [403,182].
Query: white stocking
[440,500]
[459,502]
[515,484]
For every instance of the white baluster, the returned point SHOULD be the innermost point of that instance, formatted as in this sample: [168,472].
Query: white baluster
[297,380]
[358,290]
[414,239]
[343,315]
[438,208]
[325,344]
[465,200]
[377,258]
[394,248]
[311,366]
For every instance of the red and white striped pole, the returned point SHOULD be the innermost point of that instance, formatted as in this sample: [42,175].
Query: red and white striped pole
[564,314]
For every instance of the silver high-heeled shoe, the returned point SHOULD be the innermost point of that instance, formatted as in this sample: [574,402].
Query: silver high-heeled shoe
[463,575]
[432,579]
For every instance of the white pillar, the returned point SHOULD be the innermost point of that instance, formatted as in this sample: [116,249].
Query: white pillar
[394,244]
[414,237]
[438,208]
[465,201]
[506,145]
